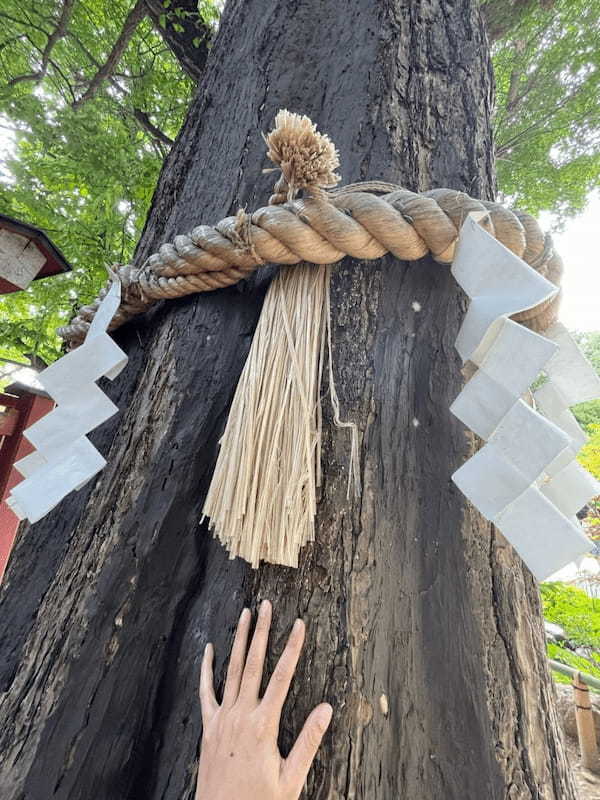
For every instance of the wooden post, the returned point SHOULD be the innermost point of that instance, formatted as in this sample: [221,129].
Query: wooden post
[586,731]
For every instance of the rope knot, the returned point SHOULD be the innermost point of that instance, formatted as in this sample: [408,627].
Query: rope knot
[241,235]
[306,158]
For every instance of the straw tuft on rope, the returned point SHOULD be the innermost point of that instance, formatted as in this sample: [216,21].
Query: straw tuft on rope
[305,157]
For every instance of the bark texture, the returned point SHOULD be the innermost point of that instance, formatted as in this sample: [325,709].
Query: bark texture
[408,594]
[190,40]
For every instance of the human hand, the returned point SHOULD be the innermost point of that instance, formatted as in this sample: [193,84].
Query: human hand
[239,757]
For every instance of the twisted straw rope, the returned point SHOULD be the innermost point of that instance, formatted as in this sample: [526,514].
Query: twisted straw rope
[362,220]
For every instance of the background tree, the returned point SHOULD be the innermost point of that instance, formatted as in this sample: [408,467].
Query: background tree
[588,416]
[578,615]
[547,115]
[424,628]
[91,99]
[87,176]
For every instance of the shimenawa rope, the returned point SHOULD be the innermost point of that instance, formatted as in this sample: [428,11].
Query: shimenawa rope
[263,497]
[362,220]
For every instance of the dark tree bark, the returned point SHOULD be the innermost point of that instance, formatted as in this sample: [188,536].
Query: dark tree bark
[407,592]
[184,32]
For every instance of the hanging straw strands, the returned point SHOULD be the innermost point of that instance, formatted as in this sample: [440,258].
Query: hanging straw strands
[262,500]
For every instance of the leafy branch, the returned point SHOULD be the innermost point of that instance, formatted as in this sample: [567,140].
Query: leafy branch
[133,19]
[58,33]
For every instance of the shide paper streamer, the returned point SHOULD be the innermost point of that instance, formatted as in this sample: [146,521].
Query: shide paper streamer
[64,459]
[525,478]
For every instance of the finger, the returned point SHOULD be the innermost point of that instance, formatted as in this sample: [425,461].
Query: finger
[255,661]
[236,660]
[208,701]
[298,763]
[279,685]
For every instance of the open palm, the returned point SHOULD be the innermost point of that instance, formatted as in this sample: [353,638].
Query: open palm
[239,755]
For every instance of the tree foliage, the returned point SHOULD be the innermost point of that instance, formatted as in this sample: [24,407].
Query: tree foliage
[579,616]
[589,456]
[93,94]
[91,97]
[566,656]
[572,609]
[588,414]
[547,119]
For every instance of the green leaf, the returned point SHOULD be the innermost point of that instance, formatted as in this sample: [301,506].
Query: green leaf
[572,609]
[547,114]
[85,177]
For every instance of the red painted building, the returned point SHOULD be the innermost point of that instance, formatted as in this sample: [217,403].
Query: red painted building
[20,407]
[26,254]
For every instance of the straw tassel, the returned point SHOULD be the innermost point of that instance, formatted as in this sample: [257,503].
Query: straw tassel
[262,500]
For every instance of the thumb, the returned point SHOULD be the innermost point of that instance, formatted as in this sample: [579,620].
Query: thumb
[298,763]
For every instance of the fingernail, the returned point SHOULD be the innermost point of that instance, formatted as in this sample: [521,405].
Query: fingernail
[264,608]
[324,715]
[298,625]
[207,649]
[244,614]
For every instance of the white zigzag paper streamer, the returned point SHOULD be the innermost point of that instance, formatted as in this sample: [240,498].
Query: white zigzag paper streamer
[525,479]
[64,459]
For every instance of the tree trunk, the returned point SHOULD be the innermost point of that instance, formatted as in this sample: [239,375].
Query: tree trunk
[424,629]
[184,32]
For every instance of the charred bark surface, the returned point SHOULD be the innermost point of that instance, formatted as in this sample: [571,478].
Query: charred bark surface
[408,594]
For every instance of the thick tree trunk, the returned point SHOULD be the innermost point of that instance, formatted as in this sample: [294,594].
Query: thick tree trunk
[423,627]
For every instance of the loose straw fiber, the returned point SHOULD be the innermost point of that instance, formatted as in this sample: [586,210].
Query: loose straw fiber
[262,500]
